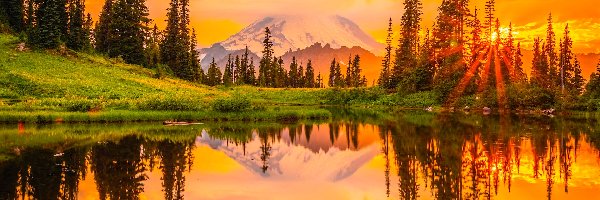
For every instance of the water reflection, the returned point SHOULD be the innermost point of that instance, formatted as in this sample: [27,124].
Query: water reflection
[418,156]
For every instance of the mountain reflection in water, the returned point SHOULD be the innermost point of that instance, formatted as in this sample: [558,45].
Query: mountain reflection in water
[421,156]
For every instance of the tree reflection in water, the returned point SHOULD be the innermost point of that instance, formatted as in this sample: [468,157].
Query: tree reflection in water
[445,156]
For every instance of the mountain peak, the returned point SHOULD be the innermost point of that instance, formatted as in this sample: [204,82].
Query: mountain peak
[293,32]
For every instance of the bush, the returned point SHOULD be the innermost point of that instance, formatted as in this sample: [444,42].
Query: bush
[82,105]
[233,104]
[530,97]
[419,100]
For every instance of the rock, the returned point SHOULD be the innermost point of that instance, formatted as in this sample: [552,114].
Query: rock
[21,47]
[467,108]
[429,109]
[549,111]
[487,111]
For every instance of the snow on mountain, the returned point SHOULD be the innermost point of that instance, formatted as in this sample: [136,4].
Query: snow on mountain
[295,161]
[291,33]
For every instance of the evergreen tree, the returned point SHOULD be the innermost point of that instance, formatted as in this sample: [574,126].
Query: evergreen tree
[213,75]
[592,89]
[251,77]
[520,76]
[13,12]
[300,82]
[489,16]
[339,77]
[319,83]
[476,46]
[195,59]
[406,54]
[551,53]
[577,80]
[78,36]
[310,76]
[332,77]
[448,43]
[356,78]
[175,47]
[237,71]
[349,73]
[152,48]
[279,77]
[385,75]
[539,69]
[228,73]
[102,32]
[129,29]
[422,77]
[565,57]
[293,73]
[266,61]
[50,24]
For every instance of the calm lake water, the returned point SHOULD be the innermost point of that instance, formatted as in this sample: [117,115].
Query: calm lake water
[412,156]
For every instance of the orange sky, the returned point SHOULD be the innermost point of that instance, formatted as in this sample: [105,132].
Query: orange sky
[216,20]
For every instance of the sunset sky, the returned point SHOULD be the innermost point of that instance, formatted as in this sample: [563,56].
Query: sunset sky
[216,20]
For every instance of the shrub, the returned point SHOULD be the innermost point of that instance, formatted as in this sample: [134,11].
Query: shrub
[232,104]
[419,99]
[82,105]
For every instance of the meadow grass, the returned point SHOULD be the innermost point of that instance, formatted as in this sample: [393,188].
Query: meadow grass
[49,86]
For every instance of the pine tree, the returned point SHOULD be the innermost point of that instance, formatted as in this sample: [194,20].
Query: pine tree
[50,24]
[175,47]
[195,59]
[78,36]
[129,29]
[293,73]
[423,75]
[520,76]
[406,54]
[384,76]
[213,75]
[475,37]
[152,48]
[13,13]
[228,72]
[319,83]
[102,32]
[592,89]
[349,73]
[265,62]
[332,77]
[310,75]
[489,16]
[356,78]
[539,69]
[577,80]
[251,77]
[339,77]
[550,50]
[565,57]
[300,82]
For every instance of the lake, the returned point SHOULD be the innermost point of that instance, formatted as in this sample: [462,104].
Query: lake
[353,156]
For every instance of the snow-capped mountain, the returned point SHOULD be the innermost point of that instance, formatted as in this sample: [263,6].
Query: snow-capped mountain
[291,33]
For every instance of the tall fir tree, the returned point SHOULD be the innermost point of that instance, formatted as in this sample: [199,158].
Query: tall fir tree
[319,81]
[78,36]
[356,80]
[213,75]
[519,73]
[266,61]
[50,24]
[577,81]
[102,32]
[489,17]
[129,30]
[406,54]
[539,69]
[175,47]
[195,58]
[331,82]
[228,72]
[592,89]
[385,75]
[301,77]
[153,48]
[310,76]
[565,57]
[293,73]
[13,12]
[550,50]
[349,73]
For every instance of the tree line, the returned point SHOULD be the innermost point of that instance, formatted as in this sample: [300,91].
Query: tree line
[464,55]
